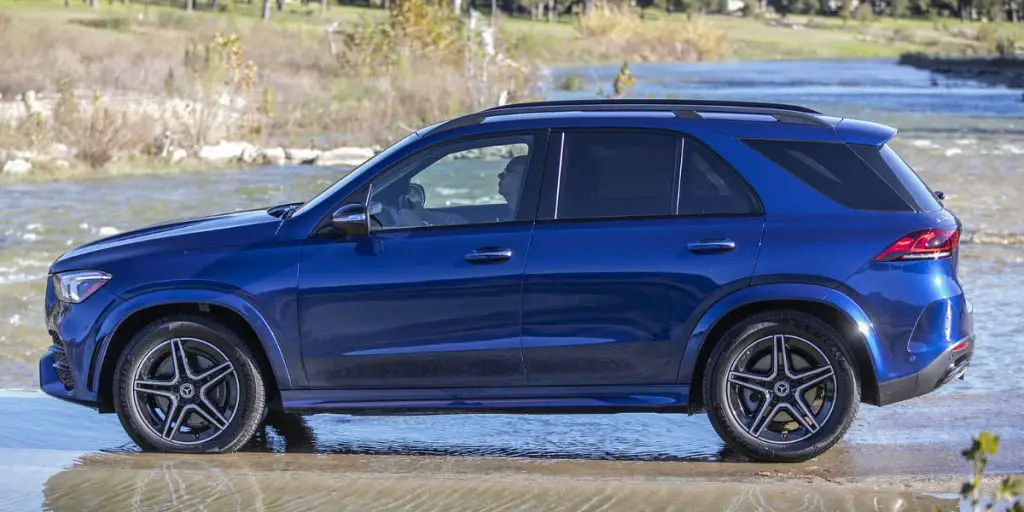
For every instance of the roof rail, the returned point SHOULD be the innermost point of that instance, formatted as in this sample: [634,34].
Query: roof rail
[654,102]
[686,109]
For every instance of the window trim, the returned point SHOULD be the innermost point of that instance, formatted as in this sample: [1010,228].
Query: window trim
[546,213]
[530,192]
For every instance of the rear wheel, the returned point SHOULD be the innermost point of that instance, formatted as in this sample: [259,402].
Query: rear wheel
[781,388]
[188,384]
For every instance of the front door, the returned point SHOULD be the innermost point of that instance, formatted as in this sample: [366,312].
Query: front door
[635,231]
[432,297]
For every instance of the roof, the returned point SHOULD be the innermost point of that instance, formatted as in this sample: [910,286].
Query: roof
[686,109]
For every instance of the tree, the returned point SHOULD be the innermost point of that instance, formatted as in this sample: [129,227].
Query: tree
[266,10]
[190,5]
[643,5]
[899,8]
[847,11]
[783,7]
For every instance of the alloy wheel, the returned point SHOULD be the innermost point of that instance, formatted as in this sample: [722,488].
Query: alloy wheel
[186,391]
[781,389]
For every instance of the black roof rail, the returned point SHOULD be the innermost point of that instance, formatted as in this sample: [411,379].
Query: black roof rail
[686,109]
[654,102]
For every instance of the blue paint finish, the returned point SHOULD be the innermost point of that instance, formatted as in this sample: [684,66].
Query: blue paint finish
[607,302]
[774,292]
[598,315]
[405,309]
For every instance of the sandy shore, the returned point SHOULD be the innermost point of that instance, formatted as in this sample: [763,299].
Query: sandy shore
[56,456]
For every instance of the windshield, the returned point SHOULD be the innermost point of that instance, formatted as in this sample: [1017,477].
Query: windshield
[355,173]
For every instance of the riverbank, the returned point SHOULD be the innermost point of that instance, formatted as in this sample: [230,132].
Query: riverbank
[59,456]
[996,71]
[156,70]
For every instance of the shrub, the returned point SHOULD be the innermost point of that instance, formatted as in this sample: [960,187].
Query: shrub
[986,33]
[570,82]
[619,28]
[116,23]
[1006,47]
[1011,488]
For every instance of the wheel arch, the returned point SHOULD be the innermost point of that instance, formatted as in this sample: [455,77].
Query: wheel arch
[827,304]
[235,313]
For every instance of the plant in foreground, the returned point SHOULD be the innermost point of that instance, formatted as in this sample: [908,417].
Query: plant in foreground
[1011,488]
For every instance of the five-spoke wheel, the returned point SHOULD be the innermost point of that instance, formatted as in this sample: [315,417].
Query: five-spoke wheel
[780,387]
[189,384]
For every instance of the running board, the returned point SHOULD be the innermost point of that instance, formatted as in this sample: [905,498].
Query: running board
[532,400]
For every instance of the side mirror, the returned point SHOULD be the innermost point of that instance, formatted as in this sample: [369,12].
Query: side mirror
[940,195]
[351,220]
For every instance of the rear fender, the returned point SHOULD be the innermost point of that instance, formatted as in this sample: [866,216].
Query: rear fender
[867,343]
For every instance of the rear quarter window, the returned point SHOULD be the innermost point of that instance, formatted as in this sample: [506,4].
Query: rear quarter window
[834,170]
[888,164]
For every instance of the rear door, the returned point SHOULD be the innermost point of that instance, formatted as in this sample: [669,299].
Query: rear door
[636,229]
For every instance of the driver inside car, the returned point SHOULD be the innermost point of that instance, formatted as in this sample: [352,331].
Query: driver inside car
[510,184]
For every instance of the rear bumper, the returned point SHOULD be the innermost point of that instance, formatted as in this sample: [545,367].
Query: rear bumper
[948,366]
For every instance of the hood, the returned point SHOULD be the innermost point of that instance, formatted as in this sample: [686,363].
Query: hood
[220,230]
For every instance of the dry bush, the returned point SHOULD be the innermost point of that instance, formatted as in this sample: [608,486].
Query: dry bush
[615,30]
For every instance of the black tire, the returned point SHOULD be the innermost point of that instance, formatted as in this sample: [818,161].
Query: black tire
[738,364]
[222,410]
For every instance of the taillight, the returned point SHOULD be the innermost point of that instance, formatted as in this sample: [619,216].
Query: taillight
[928,244]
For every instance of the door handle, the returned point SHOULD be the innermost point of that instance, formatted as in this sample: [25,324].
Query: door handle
[711,245]
[489,255]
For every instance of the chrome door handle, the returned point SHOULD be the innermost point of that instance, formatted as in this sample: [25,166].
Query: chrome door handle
[489,255]
[711,245]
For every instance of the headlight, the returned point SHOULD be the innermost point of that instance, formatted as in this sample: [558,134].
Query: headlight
[78,285]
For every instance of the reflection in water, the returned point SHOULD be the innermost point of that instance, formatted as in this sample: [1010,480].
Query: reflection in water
[308,480]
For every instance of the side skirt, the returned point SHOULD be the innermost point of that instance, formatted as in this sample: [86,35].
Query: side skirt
[513,400]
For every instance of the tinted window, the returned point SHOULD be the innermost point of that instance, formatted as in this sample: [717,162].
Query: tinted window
[710,186]
[835,171]
[617,174]
[903,179]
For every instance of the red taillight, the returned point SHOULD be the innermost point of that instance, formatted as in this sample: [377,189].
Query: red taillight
[962,345]
[929,244]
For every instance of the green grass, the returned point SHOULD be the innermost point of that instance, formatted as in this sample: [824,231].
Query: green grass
[750,39]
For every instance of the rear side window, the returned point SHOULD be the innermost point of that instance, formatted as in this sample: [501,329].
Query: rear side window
[834,170]
[617,174]
[710,186]
[900,176]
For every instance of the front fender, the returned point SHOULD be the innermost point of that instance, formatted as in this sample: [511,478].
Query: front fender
[778,292]
[278,354]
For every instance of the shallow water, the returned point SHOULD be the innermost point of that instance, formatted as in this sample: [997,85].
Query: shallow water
[964,139]
[57,456]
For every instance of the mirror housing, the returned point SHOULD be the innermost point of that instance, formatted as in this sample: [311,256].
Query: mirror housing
[351,220]
[940,195]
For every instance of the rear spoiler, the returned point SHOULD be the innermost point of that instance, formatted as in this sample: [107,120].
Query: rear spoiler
[853,131]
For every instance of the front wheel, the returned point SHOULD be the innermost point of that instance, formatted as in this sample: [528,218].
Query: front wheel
[188,384]
[780,387]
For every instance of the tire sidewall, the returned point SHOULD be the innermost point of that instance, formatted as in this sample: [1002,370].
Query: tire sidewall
[847,392]
[251,394]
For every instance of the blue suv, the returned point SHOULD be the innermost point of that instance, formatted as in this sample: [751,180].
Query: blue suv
[765,263]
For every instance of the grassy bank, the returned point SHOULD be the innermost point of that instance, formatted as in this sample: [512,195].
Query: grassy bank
[352,76]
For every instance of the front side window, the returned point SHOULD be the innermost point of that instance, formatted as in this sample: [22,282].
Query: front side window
[473,182]
[610,174]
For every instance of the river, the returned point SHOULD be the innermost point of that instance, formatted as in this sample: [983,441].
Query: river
[965,139]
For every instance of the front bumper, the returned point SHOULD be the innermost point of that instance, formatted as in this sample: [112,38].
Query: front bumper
[948,366]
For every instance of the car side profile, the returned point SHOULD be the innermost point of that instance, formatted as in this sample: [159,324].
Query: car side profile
[767,264]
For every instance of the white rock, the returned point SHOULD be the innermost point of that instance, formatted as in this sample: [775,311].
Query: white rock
[177,155]
[274,156]
[953,151]
[225,151]
[57,149]
[17,166]
[108,231]
[302,156]
[62,164]
[251,154]
[344,156]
